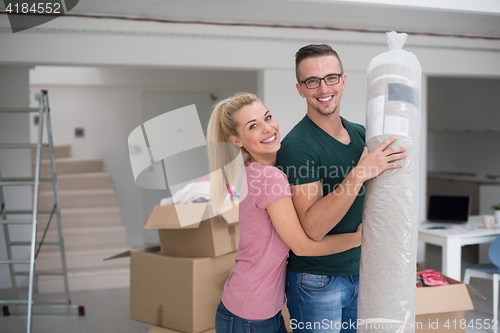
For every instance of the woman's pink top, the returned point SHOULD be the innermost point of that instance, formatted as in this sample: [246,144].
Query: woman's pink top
[255,288]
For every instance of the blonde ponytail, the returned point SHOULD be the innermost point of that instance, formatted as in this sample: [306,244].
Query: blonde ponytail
[223,154]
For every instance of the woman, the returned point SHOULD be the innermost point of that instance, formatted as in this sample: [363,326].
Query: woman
[254,293]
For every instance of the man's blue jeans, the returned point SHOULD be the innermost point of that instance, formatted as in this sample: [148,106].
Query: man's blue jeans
[227,322]
[322,303]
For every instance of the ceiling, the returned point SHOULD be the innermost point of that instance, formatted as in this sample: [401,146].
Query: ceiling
[481,18]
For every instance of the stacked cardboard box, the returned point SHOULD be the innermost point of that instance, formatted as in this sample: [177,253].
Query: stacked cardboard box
[180,287]
[212,237]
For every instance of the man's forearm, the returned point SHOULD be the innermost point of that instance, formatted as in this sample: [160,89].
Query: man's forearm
[327,212]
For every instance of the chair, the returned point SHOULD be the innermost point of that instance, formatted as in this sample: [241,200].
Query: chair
[488,271]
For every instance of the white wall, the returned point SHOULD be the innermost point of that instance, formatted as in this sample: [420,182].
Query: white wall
[464,125]
[109,103]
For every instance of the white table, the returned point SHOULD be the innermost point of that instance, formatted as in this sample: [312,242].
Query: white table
[452,240]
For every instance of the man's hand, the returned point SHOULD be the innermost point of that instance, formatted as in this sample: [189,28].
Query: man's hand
[373,164]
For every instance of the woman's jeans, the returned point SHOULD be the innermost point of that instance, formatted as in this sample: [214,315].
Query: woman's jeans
[322,303]
[227,322]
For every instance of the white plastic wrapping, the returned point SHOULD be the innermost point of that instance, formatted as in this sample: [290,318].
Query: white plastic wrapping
[386,300]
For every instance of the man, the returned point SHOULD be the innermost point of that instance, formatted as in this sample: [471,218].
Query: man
[326,161]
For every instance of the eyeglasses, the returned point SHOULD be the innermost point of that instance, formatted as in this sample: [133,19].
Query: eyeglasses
[314,82]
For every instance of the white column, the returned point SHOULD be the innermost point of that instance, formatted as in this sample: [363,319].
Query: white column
[14,92]
[422,215]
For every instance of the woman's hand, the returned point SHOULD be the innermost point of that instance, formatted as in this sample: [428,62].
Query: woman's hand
[359,231]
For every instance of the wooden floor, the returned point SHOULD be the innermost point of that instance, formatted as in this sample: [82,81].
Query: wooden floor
[108,311]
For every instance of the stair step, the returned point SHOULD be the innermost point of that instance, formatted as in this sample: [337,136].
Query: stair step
[83,217]
[91,221]
[79,181]
[87,238]
[87,279]
[19,110]
[78,198]
[16,222]
[70,165]
[24,181]
[60,151]
[79,258]
[20,145]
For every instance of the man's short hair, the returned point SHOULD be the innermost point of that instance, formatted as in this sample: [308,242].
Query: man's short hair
[314,50]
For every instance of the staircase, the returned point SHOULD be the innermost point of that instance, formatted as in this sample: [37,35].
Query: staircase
[91,223]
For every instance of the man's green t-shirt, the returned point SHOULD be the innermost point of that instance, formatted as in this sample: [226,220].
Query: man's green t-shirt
[309,154]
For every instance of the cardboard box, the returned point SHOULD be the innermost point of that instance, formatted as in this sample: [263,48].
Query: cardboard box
[441,308]
[177,293]
[212,237]
[157,329]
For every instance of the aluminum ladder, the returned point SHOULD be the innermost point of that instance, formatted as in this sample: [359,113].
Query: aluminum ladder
[29,306]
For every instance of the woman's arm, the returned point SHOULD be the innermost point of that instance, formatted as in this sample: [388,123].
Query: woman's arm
[287,224]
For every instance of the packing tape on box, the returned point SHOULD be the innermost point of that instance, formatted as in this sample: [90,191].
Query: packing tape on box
[390,214]
[170,152]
